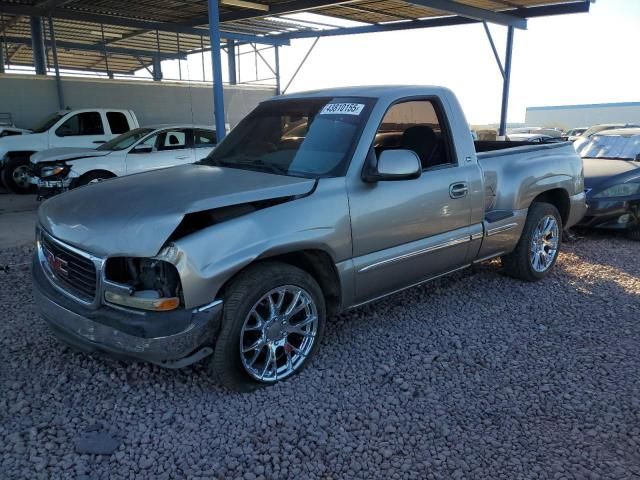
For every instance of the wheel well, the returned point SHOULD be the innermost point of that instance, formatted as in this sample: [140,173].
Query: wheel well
[20,154]
[320,266]
[106,173]
[559,198]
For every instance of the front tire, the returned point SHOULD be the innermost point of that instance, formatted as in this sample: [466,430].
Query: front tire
[273,321]
[15,175]
[538,247]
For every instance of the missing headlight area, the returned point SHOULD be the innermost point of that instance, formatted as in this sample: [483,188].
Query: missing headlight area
[145,278]
[197,221]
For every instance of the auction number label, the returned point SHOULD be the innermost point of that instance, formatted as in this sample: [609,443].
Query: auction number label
[342,109]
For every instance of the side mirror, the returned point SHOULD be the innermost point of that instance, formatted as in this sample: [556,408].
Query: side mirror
[63,131]
[395,165]
[142,149]
[637,157]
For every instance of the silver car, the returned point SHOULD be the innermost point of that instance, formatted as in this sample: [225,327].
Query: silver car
[315,203]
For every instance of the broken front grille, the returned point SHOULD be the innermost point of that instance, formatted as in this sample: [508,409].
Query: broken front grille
[73,272]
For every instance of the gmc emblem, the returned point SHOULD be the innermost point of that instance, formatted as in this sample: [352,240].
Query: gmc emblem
[56,264]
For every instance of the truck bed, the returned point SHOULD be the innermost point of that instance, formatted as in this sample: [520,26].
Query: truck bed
[508,164]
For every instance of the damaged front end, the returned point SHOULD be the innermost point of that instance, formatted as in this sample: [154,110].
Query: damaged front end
[50,178]
[131,308]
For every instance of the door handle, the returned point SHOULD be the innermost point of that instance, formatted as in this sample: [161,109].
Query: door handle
[182,157]
[458,190]
[100,141]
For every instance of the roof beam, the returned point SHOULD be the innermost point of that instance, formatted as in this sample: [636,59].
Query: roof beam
[15,52]
[99,48]
[474,13]
[68,14]
[581,6]
[294,6]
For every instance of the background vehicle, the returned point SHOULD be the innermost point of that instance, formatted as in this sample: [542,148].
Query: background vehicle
[242,256]
[612,179]
[551,132]
[7,127]
[531,138]
[605,126]
[138,150]
[573,134]
[68,128]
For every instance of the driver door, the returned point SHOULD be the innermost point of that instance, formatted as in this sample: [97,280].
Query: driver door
[167,148]
[408,231]
[84,130]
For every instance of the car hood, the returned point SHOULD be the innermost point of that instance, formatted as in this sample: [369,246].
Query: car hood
[136,214]
[601,170]
[67,153]
[32,142]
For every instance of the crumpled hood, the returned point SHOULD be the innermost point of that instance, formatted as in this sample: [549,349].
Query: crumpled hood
[600,170]
[66,153]
[134,215]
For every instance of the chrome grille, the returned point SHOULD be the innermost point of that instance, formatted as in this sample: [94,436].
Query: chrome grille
[73,272]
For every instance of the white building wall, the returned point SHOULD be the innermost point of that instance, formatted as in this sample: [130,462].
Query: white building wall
[570,116]
[30,98]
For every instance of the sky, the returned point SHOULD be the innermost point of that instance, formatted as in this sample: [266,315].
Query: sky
[563,60]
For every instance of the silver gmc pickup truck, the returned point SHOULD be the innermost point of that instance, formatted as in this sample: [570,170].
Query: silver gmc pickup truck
[315,203]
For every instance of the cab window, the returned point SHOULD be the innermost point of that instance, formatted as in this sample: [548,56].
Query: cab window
[86,123]
[118,122]
[172,140]
[415,125]
[204,138]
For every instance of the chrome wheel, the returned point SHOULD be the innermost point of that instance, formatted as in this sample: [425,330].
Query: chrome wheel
[278,333]
[20,176]
[544,245]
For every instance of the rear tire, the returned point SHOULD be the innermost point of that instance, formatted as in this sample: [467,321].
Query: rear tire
[15,175]
[538,247]
[260,343]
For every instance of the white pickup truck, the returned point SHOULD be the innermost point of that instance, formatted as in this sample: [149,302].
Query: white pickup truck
[84,128]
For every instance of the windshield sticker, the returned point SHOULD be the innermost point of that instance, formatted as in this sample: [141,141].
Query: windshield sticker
[342,109]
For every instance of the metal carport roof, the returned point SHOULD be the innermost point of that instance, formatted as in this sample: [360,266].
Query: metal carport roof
[123,36]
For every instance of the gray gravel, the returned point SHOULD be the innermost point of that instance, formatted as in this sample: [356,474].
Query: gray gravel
[473,376]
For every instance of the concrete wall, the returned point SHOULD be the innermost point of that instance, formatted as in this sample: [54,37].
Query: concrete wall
[30,98]
[570,116]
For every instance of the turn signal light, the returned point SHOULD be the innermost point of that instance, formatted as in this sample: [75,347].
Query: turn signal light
[154,304]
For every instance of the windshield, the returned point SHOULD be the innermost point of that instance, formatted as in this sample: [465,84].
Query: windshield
[125,140]
[625,147]
[48,122]
[311,137]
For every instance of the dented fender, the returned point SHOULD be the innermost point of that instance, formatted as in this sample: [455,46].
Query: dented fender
[209,258]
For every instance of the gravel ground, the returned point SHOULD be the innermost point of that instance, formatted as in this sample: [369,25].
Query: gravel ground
[473,376]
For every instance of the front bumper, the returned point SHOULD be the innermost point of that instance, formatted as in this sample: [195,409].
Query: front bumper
[49,188]
[612,213]
[170,339]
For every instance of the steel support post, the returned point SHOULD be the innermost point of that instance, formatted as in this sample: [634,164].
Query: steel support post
[1,55]
[231,61]
[157,60]
[56,65]
[37,45]
[505,85]
[277,60]
[216,67]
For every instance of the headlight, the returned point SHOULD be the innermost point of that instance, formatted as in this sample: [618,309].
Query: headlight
[52,171]
[142,283]
[621,190]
